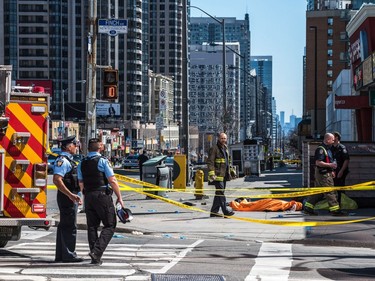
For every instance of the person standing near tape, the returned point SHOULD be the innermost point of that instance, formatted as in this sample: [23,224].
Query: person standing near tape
[65,179]
[142,159]
[218,164]
[340,153]
[98,182]
[324,174]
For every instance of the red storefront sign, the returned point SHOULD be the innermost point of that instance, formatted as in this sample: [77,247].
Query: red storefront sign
[351,102]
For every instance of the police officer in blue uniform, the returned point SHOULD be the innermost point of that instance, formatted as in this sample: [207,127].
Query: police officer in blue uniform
[65,179]
[97,182]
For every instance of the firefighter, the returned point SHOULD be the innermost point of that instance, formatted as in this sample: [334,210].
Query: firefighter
[219,172]
[324,174]
[97,182]
[65,179]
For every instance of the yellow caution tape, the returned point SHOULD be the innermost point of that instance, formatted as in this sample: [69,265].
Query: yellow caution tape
[304,192]
[272,222]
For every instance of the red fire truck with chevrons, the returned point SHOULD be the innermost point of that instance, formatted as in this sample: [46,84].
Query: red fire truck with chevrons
[24,134]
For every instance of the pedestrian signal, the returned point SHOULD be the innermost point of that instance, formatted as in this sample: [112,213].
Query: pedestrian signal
[110,84]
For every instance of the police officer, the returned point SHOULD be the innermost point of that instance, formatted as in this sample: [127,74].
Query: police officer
[65,179]
[97,182]
[341,155]
[324,174]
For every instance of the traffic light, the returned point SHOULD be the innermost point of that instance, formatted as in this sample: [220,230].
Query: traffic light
[110,84]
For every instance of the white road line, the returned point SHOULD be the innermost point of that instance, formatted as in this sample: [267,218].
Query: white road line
[153,258]
[87,271]
[180,256]
[273,263]
[33,234]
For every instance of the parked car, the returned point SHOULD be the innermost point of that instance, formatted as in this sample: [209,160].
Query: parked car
[130,161]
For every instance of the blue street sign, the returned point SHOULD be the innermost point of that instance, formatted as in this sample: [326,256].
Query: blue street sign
[113,27]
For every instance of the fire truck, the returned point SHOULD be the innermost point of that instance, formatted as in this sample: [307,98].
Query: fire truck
[24,135]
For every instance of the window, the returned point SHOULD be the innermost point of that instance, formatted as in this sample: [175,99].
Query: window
[330,52]
[329,73]
[330,21]
[330,63]
[330,42]
[330,31]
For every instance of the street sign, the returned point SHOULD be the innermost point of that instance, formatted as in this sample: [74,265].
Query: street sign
[163,100]
[113,27]
[159,124]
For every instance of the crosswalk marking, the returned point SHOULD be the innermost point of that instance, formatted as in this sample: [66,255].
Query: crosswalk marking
[273,263]
[36,259]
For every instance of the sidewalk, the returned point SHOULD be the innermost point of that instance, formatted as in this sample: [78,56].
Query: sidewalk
[161,219]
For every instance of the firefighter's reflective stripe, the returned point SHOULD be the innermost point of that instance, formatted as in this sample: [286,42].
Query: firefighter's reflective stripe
[220,160]
[21,197]
[219,179]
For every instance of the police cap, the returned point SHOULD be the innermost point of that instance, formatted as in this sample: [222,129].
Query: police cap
[69,140]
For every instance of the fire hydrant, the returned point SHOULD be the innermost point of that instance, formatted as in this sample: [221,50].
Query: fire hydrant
[198,184]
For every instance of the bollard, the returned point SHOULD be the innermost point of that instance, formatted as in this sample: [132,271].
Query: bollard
[198,184]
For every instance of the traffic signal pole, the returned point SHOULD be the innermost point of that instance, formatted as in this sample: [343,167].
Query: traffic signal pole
[90,126]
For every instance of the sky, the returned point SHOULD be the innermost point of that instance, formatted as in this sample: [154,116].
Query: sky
[278,29]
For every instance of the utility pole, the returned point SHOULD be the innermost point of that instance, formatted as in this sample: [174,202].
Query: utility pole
[185,88]
[90,127]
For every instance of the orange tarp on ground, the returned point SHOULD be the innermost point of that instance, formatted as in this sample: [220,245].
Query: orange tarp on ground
[266,205]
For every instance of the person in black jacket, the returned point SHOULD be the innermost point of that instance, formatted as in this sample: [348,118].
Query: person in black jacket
[97,182]
[341,155]
[65,179]
[142,159]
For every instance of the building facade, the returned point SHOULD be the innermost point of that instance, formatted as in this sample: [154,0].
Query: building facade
[361,31]
[207,30]
[206,91]
[265,107]
[326,55]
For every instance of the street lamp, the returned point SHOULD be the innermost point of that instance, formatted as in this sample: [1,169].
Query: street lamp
[315,82]
[224,67]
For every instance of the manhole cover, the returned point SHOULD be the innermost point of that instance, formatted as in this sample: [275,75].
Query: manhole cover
[186,277]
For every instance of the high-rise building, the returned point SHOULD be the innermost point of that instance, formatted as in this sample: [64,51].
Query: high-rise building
[326,23]
[43,42]
[263,67]
[326,56]
[207,30]
[206,91]
[166,44]
[282,118]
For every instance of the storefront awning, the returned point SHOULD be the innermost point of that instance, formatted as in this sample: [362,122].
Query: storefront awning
[351,102]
